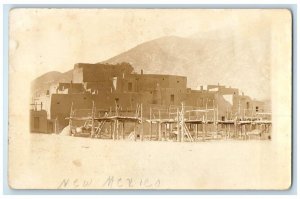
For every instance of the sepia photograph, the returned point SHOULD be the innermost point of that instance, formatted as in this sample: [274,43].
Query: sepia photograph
[150,99]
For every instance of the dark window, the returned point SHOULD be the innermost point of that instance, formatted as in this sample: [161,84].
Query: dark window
[129,86]
[57,102]
[248,105]
[223,118]
[177,81]
[36,122]
[256,108]
[117,100]
[172,98]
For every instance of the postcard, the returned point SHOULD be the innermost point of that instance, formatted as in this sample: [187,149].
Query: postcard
[193,99]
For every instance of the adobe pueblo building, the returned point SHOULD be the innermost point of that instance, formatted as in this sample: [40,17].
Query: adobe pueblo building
[152,102]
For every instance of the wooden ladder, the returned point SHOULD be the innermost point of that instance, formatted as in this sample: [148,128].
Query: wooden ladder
[187,132]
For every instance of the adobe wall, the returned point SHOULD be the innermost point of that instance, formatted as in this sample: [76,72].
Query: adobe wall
[260,106]
[84,72]
[61,103]
[200,99]
[247,106]
[229,91]
[98,86]
[61,106]
[150,82]
[211,99]
[98,78]
[45,100]
[42,117]
[166,96]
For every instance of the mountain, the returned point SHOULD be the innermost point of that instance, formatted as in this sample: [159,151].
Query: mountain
[43,82]
[206,58]
[169,55]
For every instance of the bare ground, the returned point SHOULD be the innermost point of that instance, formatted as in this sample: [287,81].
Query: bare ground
[54,161]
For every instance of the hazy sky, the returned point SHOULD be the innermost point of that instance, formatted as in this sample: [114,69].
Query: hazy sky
[59,38]
[43,40]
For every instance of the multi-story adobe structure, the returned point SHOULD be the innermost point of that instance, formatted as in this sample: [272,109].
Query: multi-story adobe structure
[108,85]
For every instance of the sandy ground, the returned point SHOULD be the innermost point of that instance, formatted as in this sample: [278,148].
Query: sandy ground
[55,161]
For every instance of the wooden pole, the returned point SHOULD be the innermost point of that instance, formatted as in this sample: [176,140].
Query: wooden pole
[241,132]
[166,131]
[93,122]
[123,128]
[150,137]
[70,119]
[142,125]
[235,127]
[206,110]
[111,130]
[117,129]
[150,123]
[217,112]
[217,119]
[239,115]
[159,127]
[196,131]
[116,108]
[203,129]
[251,126]
[246,132]
[159,131]
[182,123]
[226,132]
[114,130]
[214,111]
[206,122]
[170,130]
[100,127]
[134,131]
[178,134]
